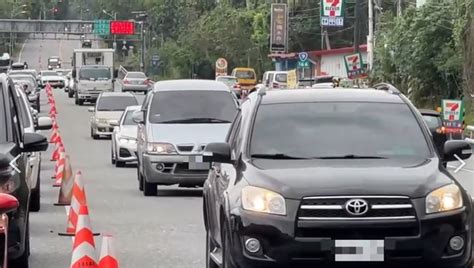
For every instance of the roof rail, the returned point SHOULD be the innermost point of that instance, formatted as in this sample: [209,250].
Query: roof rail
[388,87]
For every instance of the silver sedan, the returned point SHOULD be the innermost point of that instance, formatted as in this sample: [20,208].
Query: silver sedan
[136,82]
[124,139]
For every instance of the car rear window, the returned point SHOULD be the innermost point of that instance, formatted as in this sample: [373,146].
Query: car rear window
[336,129]
[3,122]
[281,78]
[115,103]
[136,75]
[173,106]
[49,74]
[245,75]
[433,121]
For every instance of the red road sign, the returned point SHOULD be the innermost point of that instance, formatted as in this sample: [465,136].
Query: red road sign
[122,27]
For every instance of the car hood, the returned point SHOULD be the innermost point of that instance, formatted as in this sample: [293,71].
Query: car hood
[128,131]
[188,133]
[296,179]
[109,115]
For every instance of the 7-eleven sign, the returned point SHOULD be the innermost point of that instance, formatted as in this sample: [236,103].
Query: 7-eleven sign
[354,66]
[452,110]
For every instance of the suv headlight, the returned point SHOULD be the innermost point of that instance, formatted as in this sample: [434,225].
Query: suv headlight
[446,198]
[160,148]
[264,201]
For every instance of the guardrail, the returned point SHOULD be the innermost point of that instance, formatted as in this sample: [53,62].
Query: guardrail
[470,134]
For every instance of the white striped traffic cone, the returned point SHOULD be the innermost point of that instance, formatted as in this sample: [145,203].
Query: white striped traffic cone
[83,252]
[108,258]
[60,171]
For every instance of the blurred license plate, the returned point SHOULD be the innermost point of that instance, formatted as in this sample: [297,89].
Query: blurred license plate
[196,163]
[359,250]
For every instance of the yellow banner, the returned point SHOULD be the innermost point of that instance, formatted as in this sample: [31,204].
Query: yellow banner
[292,80]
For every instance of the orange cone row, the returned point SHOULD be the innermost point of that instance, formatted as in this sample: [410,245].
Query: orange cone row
[78,221]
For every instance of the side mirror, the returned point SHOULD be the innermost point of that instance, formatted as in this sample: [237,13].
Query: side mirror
[8,203]
[455,149]
[114,123]
[138,117]
[34,142]
[91,109]
[44,123]
[217,152]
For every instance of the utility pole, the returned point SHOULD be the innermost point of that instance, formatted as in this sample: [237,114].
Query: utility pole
[370,38]
[142,36]
[357,14]
[399,8]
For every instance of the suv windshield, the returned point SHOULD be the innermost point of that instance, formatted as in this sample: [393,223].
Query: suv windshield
[94,74]
[337,130]
[18,78]
[115,103]
[128,120]
[192,107]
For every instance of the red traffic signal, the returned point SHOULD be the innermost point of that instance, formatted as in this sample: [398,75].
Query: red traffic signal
[55,10]
[122,27]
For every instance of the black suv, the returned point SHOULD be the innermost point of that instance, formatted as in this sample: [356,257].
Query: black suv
[334,177]
[14,148]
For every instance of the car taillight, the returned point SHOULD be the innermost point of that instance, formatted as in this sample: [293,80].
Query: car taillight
[236,86]
[126,82]
[441,130]
[275,85]
[147,82]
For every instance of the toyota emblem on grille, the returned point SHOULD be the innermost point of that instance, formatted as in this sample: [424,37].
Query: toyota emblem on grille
[357,207]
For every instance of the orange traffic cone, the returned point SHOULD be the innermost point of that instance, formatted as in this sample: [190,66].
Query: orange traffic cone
[83,252]
[107,253]
[60,171]
[78,198]
[59,145]
[54,134]
[52,110]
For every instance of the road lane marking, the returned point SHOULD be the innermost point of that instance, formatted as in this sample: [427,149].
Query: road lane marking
[464,169]
[21,50]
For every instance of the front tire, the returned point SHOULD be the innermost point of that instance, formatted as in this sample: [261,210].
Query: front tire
[94,136]
[35,202]
[209,246]
[149,189]
[119,164]
[22,261]
[112,155]
[140,178]
[226,252]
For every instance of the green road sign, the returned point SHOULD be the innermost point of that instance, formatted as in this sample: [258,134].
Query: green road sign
[303,64]
[102,27]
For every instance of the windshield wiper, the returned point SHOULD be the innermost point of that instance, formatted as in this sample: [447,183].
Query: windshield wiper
[351,156]
[195,120]
[276,156]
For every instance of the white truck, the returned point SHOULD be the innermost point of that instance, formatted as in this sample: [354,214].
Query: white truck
[93,73]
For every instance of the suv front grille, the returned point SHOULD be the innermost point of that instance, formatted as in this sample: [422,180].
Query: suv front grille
[328,217]
[334,208]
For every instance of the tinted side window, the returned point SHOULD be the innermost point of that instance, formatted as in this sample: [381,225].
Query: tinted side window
[3,122]
[15,117]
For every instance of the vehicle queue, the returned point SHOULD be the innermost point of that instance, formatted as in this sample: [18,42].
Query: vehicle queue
[273,195]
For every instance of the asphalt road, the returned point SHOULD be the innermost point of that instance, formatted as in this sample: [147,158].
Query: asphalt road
[163,231]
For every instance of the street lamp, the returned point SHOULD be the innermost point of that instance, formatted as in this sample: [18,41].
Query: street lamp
[114,17]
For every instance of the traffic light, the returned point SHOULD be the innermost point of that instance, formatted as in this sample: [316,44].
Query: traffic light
[55,10]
